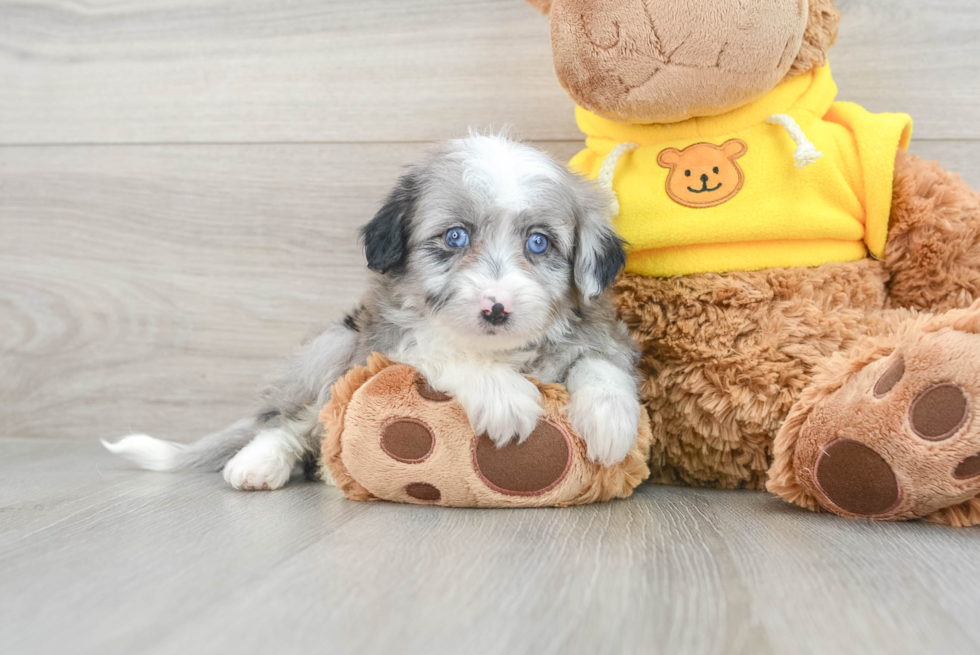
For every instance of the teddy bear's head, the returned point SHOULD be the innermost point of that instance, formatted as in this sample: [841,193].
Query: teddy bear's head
[664,61]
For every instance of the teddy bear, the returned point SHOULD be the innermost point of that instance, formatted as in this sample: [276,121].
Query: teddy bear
[802,289]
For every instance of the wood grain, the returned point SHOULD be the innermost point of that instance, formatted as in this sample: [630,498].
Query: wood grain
[98,558]
[167,71]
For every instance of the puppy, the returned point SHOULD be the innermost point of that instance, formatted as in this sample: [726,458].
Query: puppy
[489,264]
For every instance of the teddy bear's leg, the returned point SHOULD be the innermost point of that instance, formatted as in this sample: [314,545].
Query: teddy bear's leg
[891,429]
[933,250]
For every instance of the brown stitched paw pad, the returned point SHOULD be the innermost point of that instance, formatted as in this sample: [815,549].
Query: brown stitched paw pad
[423,491]
[526,469]
[856,478]
[407,440]
[900,439]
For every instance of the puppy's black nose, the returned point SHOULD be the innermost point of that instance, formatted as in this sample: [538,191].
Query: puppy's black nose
[496,315]
[704,177]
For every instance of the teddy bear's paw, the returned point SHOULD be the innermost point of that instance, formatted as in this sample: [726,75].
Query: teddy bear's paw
[901,438]
[404,441]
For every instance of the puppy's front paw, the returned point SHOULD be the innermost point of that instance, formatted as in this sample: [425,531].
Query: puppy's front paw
[503,409]
[260,465]
[607,422]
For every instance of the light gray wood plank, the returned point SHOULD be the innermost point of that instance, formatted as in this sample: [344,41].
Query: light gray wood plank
[155,288]
[378,70]
[273,71]
[98,558]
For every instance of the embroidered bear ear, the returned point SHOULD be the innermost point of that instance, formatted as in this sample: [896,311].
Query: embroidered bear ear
[734,148]
[669,157]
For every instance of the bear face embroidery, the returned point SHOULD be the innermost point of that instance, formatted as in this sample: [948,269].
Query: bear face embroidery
[704,175]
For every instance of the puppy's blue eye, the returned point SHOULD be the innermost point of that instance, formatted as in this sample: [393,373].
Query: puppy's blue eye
[537,243]
[457,237]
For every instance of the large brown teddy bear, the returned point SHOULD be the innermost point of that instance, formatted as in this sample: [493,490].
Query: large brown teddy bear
[802,288]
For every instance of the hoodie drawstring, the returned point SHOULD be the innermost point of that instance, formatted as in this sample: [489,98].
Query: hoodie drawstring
[608,171]
[806,152]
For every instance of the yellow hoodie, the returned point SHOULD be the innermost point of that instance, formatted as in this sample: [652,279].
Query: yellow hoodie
[735,192]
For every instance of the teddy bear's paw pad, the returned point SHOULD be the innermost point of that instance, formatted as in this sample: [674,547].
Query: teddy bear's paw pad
[407,440]
[968,468]
[423,491]
[530,468]
[857,479]
[892,376]
[900,438]
[939,412]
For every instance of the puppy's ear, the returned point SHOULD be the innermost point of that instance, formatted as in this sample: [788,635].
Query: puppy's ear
[543,6]
[599,251]
[385,237]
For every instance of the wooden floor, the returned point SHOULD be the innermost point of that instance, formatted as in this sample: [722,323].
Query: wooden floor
[180,186]
[98,558]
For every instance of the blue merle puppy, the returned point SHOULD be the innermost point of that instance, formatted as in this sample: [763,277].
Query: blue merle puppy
[490,262]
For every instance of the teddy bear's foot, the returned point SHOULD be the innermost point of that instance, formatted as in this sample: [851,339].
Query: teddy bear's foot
[900,439]
[390,436]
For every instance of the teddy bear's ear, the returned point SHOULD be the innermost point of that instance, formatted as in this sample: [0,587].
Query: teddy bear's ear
[820,34]
[669,157]
[543,6]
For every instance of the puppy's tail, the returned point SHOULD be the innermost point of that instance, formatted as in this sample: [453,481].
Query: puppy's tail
[211,452]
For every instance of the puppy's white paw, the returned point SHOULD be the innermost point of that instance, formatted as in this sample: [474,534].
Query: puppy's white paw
[264,464]
[607,421]
[503,409]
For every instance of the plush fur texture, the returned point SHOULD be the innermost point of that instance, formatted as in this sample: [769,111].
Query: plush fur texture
[933,249]
[634,61]
[725,357]
[369,398]
[821,33]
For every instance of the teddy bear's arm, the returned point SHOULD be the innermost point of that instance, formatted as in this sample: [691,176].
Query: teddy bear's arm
[933,250]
